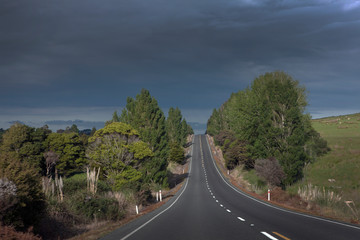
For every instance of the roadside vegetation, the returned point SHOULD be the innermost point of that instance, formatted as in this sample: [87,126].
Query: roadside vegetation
[55,185]
[266,141]
[266,122]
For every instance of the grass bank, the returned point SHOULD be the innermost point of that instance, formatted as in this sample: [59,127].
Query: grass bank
[333,180]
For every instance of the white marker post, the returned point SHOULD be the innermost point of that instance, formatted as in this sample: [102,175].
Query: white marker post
[268,194]
[160,195]
[137,209]
[157,196]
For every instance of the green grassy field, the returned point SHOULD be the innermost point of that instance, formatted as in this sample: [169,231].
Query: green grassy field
[339,170]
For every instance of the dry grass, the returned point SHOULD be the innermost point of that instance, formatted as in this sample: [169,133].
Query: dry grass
[9,233]
[319,195]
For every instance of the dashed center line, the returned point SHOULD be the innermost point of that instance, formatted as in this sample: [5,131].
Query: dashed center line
[241,219]
[228,210]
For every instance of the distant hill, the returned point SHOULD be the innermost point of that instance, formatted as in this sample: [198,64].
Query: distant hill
[81,124]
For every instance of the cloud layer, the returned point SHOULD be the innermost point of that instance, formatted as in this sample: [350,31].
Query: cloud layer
[190,54]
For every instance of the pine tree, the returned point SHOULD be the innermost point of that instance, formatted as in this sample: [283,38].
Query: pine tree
[144,115]
[173,125]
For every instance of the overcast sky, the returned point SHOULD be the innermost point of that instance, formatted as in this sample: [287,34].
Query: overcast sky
[81,59]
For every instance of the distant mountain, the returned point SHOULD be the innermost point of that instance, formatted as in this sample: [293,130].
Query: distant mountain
[16,121]
[81,124]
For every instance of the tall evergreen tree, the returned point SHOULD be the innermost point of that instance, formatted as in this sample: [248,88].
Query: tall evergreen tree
[173,126]
[144,114]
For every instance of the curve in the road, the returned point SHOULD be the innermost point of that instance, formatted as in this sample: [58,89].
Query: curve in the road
[272,206]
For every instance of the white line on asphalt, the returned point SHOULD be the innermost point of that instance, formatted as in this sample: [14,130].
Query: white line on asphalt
[266,204]
[217,201]
[221,205]
[269,236]
[228,210]
[241,219]
[186,184]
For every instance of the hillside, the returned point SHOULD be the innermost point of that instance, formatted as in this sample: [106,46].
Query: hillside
[336,174]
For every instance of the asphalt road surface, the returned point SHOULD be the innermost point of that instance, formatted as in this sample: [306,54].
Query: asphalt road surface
[208,207]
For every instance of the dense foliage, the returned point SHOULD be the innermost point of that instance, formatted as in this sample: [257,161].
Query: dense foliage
[42,173]
[23,195]
[70,150]
[144,114]
[120,154]
[25,143]
[269,117]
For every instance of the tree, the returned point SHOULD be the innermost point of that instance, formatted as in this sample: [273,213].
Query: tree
[26,144]
[215,123]
[93,130]
[29,197]
[70,150]
[177,127]
[173,125]
[269,117]
[74,129]
[119,152]
[144,115]
[51,158]
[2,131]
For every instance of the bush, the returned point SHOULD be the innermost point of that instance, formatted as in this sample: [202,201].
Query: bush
[270,170]
[176,153]
[236,154]
[95,207]
[78,182]
[9,233]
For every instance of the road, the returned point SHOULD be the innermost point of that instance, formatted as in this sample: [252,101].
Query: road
[207,207]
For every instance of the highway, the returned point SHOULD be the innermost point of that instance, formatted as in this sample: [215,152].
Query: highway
[207,207]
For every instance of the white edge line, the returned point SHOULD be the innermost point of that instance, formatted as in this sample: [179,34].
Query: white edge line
[284,210]
[269,236]
[187,180]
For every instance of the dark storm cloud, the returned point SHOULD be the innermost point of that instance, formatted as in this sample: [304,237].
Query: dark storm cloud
[190,54]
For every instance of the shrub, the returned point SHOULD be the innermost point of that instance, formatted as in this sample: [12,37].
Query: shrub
[9,233]
[78,182]
[270,170]
[95,207]
[29,196]
[176,153]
